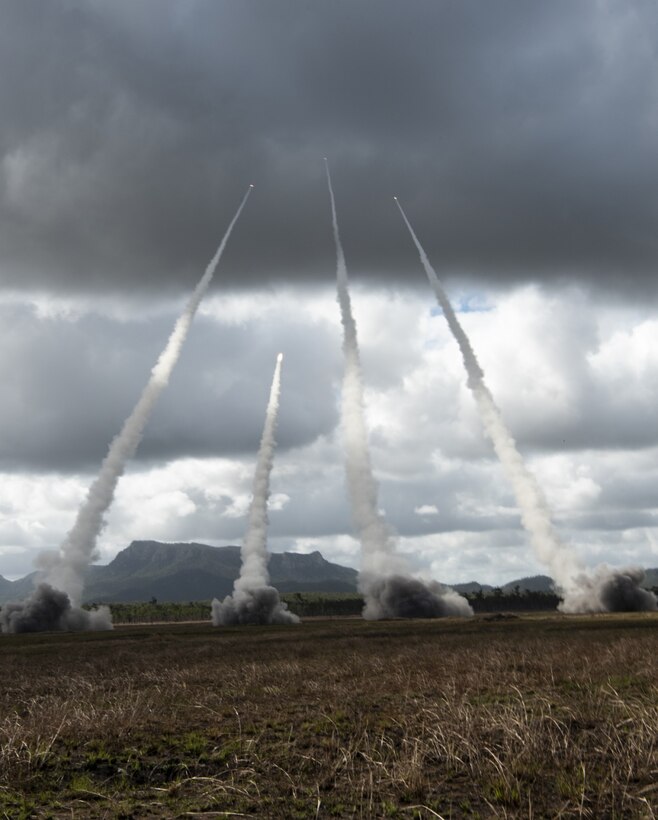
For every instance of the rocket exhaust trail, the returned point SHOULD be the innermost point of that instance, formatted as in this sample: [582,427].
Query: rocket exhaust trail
[253,600]
[376,538]
[384,579]
[77,550]
[66,568]
[529,497]
[579,592]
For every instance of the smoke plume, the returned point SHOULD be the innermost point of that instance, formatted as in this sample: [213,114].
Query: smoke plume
[253,600]
[384,579]
[608,590]
[399,596]
[49,609]
[65,569]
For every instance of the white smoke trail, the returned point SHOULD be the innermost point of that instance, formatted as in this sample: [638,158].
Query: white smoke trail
[534,510]
[254,547]
[384,579]
[66,568]
[564,567]
[253,599]
[378,545]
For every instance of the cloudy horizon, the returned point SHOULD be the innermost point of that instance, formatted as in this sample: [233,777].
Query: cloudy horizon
[521,141]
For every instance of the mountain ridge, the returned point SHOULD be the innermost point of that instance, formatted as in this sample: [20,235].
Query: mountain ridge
[191,571]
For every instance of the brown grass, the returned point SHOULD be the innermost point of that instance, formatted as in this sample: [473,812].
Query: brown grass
[531,717]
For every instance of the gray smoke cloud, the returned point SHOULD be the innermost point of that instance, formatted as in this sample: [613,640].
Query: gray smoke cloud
[384,579]
[258,605]
[399,596]
[610,590]
[607,590]
[253,600]
[65,569]
[49,609]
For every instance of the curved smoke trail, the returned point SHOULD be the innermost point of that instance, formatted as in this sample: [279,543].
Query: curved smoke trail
[384,579]
[580,592]
[65,569]
[253,599]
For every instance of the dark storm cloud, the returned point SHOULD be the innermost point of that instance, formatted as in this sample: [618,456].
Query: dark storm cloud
[520,137]
[69,385]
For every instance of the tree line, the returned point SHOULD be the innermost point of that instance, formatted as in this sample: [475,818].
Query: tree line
[327,605]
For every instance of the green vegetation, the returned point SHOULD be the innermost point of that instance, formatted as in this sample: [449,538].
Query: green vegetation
[305,604]
[153,612]
[516,600]
[323,605]
[532,716]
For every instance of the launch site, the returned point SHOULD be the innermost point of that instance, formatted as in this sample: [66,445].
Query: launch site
[329,444]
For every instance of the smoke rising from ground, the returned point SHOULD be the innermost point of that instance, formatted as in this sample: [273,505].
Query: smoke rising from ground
[65,569]
[257,605]
[384,572]
[49,609]
[399,596]
[253,600]
[609,589]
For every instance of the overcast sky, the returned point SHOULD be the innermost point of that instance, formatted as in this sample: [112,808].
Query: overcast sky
[522,140]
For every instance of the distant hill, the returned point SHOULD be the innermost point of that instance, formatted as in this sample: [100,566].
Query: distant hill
[471,586]
[193,572]
[534,583]
[197,572]
[15,590]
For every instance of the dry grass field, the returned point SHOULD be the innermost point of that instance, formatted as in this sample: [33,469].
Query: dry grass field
[522,717]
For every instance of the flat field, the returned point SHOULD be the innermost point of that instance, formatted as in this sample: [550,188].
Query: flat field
[535,716]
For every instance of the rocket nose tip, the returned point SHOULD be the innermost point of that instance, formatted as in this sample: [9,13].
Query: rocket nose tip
[279,358]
